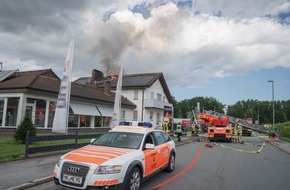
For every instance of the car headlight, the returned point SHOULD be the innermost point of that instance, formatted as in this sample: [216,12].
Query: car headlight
[108,169]
[59,162]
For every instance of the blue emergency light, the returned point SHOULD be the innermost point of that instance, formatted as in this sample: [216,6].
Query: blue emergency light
[140,124]
[145,124]
[125,123]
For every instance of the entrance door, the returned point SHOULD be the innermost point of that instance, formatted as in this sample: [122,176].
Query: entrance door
[30,109]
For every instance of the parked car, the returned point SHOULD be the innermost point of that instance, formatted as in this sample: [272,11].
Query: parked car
[120,159]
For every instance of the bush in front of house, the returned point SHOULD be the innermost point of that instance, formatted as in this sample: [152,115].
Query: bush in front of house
[25,125]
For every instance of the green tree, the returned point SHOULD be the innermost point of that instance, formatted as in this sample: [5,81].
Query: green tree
[176,107]
[286,109]
[208,103]
[185,107]
[25,125]
[260,111]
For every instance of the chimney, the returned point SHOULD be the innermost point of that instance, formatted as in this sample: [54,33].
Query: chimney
[96,76]
[107,87]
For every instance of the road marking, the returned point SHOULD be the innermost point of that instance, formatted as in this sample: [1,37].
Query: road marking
[244,151]
[193,162]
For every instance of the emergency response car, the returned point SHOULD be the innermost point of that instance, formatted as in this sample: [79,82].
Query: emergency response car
[119,159]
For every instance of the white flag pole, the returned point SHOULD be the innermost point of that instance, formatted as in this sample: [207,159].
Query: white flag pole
[117,103]
[60,121]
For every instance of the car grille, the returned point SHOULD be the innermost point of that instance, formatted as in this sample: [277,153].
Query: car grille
[219,135]
[74,170]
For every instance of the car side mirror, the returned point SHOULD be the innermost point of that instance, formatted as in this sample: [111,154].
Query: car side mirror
[92,140]
[149,146]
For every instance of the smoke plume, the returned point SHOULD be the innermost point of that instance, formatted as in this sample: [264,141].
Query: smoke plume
[126,29]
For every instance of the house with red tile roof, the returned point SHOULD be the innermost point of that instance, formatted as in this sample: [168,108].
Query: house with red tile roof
[36,92]
[145,97]
[148,91]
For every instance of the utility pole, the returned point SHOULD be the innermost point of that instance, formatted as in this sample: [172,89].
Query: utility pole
[271,81]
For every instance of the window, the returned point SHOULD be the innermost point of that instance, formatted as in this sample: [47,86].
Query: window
[102,121]
[148,139]
[158,118]
[159,138]
[37,109]
[151,116]
[152,95]
[123,115]
[135,95]
[73,120]
[85,121]
[135,115]
[51,111]
[12,109]
[98,121]
[107,121]
[40,113]
[1,109]
[159,97]
[120,139]
[167,137]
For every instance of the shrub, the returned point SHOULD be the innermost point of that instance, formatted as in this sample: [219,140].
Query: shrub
[25,125]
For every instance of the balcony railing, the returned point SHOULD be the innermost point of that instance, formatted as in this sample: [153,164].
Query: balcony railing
[149,103]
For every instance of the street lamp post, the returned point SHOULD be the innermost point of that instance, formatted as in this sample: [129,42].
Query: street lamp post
[271,81]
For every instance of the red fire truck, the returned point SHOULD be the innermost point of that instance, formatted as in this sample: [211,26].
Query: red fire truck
[218,127]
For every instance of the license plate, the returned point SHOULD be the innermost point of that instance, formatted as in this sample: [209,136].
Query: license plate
[72,179]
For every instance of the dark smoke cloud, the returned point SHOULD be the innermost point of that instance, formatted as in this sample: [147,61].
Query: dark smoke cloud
[118,36]
[112,45]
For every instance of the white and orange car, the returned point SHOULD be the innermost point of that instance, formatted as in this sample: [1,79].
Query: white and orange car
[118,160]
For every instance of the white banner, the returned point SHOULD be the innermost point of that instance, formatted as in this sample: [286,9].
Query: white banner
[117,105]
[62,107]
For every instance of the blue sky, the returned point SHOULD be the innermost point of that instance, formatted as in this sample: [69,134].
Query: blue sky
[222,49]
[254,85]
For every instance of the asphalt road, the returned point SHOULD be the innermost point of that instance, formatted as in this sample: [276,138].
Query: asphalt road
[19,172]
[249,166]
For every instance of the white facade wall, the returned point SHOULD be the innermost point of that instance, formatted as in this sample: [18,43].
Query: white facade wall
[157,88]
[147,94]
[129,94]
[128,114]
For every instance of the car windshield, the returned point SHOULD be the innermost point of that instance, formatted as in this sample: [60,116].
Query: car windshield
[120,140]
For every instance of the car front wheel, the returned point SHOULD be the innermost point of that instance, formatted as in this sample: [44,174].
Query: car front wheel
[134,179]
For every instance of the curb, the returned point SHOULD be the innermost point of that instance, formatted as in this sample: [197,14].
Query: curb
[186,141]
[278,146]
[32,183]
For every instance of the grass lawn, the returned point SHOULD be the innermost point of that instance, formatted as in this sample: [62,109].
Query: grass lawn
[10,150]
[286,139]
[285,129]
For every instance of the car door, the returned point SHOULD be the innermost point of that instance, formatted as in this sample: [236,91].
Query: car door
[162,149]
[150,155]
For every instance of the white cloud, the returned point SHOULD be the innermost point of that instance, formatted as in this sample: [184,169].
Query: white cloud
[173,38]
[213,39]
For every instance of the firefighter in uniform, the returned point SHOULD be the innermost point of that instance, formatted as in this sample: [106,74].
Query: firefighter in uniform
[178,132]
[196,128]
[192,130]
[240,132]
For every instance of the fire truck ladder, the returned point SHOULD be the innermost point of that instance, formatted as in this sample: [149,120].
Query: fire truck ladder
[233,120]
